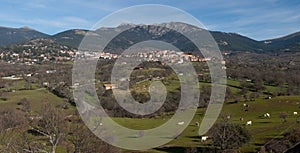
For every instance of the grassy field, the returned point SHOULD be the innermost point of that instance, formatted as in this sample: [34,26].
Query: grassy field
[37,99]
[262,129]
[18,85]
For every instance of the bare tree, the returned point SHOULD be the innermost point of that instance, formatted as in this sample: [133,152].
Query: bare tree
[3,96]
[25,105]
[10,118]
[19,140]
[7,139]
[84,141]
[284,116]
[11,122]
[51,125]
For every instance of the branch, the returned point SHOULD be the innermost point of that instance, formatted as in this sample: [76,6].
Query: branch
[41,132]
[26,150]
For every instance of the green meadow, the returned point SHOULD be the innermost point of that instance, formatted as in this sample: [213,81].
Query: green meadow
[262,129]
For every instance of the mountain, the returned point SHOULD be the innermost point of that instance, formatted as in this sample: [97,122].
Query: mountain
[161,32]
[287,43]
[70,37]
[236,42]
[74,37]
[140,33]
[16,35]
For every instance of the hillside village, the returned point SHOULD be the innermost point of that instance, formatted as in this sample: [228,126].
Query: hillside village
[260,112]
[43,51]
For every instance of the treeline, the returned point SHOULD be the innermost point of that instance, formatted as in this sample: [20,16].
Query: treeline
[261,69]
[49,132]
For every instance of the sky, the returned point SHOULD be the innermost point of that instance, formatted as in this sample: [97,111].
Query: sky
[260,20]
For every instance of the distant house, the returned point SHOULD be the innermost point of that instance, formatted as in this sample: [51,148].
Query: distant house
[46,84]
[50,71]
[110,86]
[163,63]
[223,62]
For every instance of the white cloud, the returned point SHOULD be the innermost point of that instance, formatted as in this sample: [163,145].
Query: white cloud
[61,22]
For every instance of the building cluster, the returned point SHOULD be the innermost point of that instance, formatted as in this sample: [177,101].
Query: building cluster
[95,55]
[33,54]
[170,56]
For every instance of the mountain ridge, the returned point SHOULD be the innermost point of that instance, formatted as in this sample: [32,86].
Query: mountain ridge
[227,41]
[10,35]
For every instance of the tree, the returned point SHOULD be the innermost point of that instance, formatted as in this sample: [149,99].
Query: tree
[84,141]
[2,84]
[227,135]
[245,84]
[288,143]
[284,116]
[25,105]
[229,93]
[293,136]
[10,118]
[11,123]
[51,125]
[7,138]
[3,96]
[19,140]
[191,150]
[258,85]
[262,149]
[254,95]
[205,96]
[244,92]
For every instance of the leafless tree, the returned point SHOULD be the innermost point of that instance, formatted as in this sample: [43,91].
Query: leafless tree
[10,118]
[11,123]
[51,125]
[84,141]
[19,140]
[284,116]
[7,139]
[25,105]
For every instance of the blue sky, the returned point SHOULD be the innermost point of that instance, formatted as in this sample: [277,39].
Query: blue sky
[259,20]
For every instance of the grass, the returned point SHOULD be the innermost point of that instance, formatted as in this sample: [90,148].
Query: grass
[235,83]
[36,98]
[171,82]
[17,85]
[262,129]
